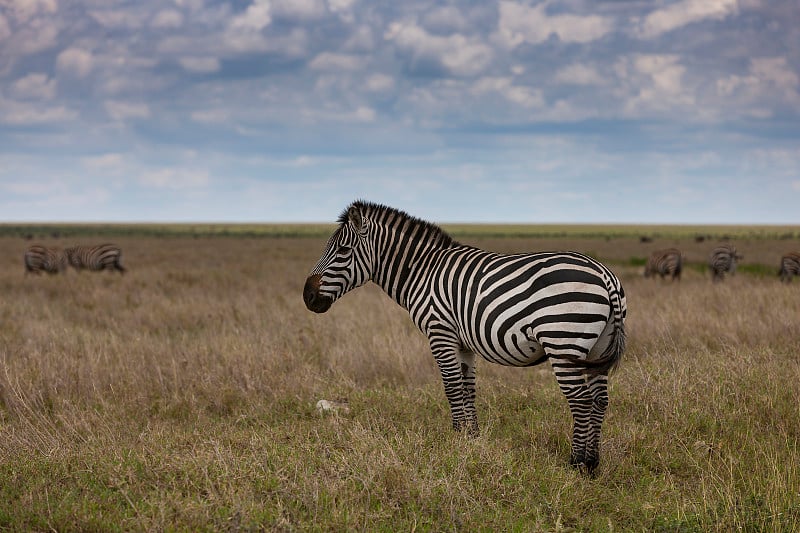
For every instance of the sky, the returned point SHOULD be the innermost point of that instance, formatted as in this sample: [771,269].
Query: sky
[571,111]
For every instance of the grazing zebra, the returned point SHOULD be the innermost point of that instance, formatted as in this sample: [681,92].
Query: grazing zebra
[667,262]
[723,259]
[101,257]
[790,266]
[517,310]
[40,259]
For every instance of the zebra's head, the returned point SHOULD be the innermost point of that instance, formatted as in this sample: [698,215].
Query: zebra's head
[344,264]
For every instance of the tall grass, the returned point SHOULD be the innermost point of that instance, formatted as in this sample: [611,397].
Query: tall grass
[181,397]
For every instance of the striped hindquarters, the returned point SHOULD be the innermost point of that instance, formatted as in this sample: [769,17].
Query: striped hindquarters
[790,266]
[39,259]
[663,263]
[723,259]
[101,257]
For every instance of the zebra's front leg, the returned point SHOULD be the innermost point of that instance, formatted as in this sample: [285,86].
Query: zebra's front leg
[447,358]
[468,379]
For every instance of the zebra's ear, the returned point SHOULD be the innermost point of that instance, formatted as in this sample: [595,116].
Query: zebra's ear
[355,218]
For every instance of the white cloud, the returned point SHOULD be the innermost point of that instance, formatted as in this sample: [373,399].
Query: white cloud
[24,113]
[652,82]
[75,61]
[38,35]
[579,74]
[211,116]
[775,70]
[361,114]
[299,9]
[25,10]
[118,18]
[255,18]
[447,19]
[520,23]
[379,83]
[119,110]
[518,94]
[5,31]
[769,82]
[167,18]
[203,65]
[35,86]
[245,34]
[105,162]
[361,40]
[336,62]
[683,13]
[459,55]
[174,178]
[338,6]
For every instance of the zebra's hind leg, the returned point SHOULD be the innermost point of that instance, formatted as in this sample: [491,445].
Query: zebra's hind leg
[587,397]
[598,390]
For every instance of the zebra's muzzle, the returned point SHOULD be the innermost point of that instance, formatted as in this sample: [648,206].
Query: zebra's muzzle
[313,299]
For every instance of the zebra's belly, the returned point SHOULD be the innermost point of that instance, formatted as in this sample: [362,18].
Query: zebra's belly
[528,340]
[515,350]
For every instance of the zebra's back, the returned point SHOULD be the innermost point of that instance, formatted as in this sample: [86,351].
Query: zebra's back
[663,263]
[790,266]
[38,258]
[520,309]
[723,260]
[101,257]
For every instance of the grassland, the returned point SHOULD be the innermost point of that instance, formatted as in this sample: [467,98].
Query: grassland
[182,395]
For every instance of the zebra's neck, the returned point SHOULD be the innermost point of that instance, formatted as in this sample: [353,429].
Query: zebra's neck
[402,248]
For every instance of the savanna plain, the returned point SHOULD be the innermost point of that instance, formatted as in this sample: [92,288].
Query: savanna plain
[182,395]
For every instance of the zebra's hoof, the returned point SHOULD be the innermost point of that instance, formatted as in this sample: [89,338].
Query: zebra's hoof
[585,466]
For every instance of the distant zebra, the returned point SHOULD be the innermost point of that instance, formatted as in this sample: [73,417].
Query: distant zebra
[512,309]
[101,257]
[38,259]
[790,266]
[723,259]
[667,262]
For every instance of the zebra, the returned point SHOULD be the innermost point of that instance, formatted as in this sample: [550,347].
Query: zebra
[790,266]
[100,257]
[667,262]
[512,309]
[723,259]
[38,259]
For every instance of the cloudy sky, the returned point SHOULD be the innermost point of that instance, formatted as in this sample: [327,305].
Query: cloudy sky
[638,111]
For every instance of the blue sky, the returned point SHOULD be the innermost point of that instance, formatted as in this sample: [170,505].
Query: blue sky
[626,111]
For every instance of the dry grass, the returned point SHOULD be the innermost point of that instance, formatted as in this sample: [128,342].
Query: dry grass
[181,397]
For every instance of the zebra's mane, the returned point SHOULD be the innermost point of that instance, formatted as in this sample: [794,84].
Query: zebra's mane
[379,212]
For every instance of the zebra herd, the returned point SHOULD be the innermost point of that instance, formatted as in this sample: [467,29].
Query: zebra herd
[723,259]
[38,259]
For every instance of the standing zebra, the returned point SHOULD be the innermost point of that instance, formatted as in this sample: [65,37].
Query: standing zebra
[723,259]
[517,310]
[790,266]
[101,257]
[40,259]
[667,262]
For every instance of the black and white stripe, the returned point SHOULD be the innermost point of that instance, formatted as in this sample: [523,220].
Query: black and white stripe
[38,259]
[790,266]
[100,257]
[663,263]
[723,259]
[518,309]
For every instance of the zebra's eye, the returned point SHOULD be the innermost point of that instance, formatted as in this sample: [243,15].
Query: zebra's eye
[343,250]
